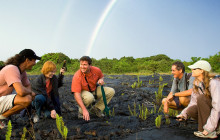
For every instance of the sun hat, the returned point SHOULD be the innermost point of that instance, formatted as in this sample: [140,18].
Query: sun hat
[28,53]
[201,64]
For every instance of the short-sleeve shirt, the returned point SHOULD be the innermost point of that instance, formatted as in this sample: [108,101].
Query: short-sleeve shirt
[179,85]
[9,75]
[79,82]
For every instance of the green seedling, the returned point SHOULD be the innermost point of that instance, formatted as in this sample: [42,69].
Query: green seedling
[143,112]
[9,129]
[167,121]
[158,121]
[61,127]
[133,113]
[24,134]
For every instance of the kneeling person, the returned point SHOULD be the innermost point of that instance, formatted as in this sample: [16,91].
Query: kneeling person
[84,88]
[46,88]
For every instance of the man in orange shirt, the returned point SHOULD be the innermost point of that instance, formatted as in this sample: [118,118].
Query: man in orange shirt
[84,88]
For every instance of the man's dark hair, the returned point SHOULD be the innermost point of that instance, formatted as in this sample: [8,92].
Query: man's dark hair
[86,58]
[179,66]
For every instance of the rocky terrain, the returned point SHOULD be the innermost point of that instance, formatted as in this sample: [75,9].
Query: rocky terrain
[120,124]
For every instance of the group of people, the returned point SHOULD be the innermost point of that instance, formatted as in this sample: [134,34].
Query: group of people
[18,94]
[197,94]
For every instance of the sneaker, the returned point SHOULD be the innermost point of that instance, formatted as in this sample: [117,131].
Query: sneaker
[211,135]
[3,123]
[80,115]
[97,112]
[36,118]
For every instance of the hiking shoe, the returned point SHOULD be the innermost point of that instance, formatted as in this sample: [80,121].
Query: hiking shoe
[36,118]
[211,135]
[80,115]
[97,112]
[3,123]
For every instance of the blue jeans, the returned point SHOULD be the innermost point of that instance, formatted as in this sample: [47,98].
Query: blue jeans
[39,104]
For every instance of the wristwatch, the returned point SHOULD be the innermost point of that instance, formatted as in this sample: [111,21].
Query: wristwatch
[173,94]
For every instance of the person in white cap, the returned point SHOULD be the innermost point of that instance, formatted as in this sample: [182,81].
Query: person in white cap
[204,105]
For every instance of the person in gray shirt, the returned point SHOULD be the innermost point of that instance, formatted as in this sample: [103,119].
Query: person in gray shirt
[179,96]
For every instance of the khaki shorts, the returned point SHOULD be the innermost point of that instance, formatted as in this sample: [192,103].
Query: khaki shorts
[6,102]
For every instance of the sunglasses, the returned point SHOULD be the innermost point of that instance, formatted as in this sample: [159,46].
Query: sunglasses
[196,69]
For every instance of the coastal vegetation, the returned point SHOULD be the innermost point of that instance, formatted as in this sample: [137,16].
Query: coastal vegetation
[125,65]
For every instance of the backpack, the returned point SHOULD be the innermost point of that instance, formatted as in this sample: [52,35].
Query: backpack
[187,77]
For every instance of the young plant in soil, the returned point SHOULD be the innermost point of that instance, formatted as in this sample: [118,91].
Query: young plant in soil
[158,121]
[24,133]
[143,112]
[61,127]
[9,129]
[133,113]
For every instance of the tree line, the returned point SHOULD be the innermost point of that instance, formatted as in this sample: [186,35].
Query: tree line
[154,64]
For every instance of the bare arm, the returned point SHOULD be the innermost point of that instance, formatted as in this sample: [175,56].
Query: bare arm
[81,104]
[184,93]
[22,90]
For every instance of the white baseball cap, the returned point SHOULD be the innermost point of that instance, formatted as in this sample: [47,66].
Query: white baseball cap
[201,64]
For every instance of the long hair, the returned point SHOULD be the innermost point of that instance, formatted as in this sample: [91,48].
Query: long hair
[15,60]
[206,80]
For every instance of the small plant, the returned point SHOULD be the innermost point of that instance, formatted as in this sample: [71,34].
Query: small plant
[167,121]
[152,111]
[160,109]
[133,113]
[61,127]
[24,134]
[173,112]
[134,85]
[137,84]
[158,121]
[143,112]
[9,129]
[112,113]
[155,109]
[151,82]
[159,94]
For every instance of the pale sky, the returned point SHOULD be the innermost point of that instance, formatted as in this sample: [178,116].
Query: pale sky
[180,29]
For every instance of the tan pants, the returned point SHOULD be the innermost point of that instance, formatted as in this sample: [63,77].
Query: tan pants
[88,97]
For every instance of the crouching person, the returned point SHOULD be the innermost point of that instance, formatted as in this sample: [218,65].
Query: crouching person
[205,101]
[13,77]
[84,87]
[179,97]
[46,88]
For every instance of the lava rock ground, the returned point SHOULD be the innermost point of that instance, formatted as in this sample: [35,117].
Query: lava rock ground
[120,125]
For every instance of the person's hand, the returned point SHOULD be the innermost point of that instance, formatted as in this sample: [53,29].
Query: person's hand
[62,71]
[86,116]
[205,132]
[180,118]
[53,114]
[101,82]
[170,97]
[33,95]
